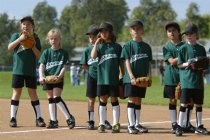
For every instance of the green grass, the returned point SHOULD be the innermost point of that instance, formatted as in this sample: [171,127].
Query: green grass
[77,93]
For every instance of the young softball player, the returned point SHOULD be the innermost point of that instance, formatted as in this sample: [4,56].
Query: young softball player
[91,65]
[191,80]
[170,54]
[108,53]
[53,61]
[24,69]
[137,56]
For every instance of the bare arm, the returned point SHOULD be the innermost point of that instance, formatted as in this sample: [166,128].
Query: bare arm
[14,44]
[183,65]
[36,52]
[121,70]
[173,61]
[94,50]
[62,72]
[130,73]
[85,66]
[41,73]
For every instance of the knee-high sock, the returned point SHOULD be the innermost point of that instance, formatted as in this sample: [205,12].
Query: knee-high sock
[62,106]
[14,108]
[102,112]
[36,107]
[182,114]
[198,116]
[137,113]
[131,114]
[116,112]
[91,115]
[188,115]
[172,113]
[52,109]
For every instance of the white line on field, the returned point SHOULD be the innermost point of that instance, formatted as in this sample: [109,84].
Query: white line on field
[81,127]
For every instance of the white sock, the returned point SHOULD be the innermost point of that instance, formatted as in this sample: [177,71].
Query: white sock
[181,117]
[173,116]
[116,114]
[102,114]
[52,111]
[13,111]
[131,118]
[199,118]
[91,115]
[137,116]
[63,109]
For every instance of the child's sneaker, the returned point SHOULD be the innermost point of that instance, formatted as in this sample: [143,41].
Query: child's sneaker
[71,122]
[40,122]
[52,124]
[178,131]
[174,126]
[91,125]
[13,122]
[108,125]
[101,128]
[201,130]
[116,128]
[141,128]
[132,130]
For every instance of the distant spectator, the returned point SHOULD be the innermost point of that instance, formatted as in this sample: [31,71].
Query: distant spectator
[73,72]
[78,76]
[161,70]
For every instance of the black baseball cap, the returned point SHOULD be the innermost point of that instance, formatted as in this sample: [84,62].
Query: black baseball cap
[106,25]
[92,30]
[173,24]
[136,23]
[191,28]
[27,18]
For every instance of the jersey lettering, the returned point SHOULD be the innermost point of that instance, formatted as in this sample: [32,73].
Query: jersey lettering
[50,65]
[91,61]
[107,57]
[137,57]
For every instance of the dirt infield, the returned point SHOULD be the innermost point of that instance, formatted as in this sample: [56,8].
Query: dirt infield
[155,118]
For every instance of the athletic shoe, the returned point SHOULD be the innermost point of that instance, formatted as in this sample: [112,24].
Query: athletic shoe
[116,128]
[101,128]
[132,130]
[201,130]
[178,131]
[52,124]
[174,126]
[91,125]
[108,125]
[189,129]
[13,122]
[40,122]
[141,129]
[71,122]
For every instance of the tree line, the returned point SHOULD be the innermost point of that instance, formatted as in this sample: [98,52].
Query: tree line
[80,14]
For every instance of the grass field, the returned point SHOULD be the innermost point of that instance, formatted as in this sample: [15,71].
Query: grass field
[77,93]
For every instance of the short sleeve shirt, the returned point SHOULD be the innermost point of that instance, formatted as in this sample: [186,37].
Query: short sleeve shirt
[54,60]
[140,55]
[171,75]
[190,78]
[24,60]
[92,63]
[108,63]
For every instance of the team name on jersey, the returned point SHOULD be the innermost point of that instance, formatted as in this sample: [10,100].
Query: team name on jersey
[107,57]
[91,61]
[50,65]
[21,48]
[137,57]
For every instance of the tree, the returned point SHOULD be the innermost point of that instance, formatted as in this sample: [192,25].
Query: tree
[193,16]
[83,13]
[154,14]
[7,28]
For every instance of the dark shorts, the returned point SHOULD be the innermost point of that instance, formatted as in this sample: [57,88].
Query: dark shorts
[169,92]
[109,90]
[197,95]
[52,86]
[134,91]
[91,90]
[19,80]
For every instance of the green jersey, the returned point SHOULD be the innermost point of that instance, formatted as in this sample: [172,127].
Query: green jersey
[171,74]
[189,78]
[92,63]
[24,60]
[54,60]
[108,63]
[139,55]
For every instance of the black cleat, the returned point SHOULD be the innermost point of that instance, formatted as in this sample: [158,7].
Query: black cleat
[132,130]
[174,126]
[91,125]
[71,122]
[189,129]
[52,124]
[13,122]
[108,125]
[141,129]
[101,128]
[178,131]
[40,122]
[201,130]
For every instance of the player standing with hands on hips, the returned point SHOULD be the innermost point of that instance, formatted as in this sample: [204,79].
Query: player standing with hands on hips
[191,79]
[53,61]
[91,65]
[137,56]
[26,49]
[108,53]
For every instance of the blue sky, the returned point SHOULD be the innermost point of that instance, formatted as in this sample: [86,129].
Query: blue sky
[20,8]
